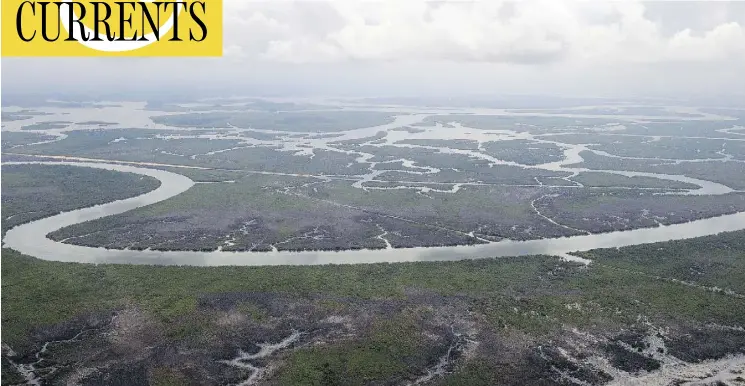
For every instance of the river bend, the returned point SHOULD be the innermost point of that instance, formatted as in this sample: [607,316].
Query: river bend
[31,238]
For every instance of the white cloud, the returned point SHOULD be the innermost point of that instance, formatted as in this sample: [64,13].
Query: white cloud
[531,31]
[415,47]
[721,43]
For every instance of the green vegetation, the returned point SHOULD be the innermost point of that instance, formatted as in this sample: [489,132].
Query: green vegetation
[530,299]
[714,261]
[518,123]
[273,160]
[10,376]
[15,139]
[59,291]
[31,192]
[47,125]
[727,173]
[9,116]
[604,180]
[164,376]
[96,123]
[524,152]
[251,213]
[302,121]
[464,144]
[624,110]
[677,128]
[605,210]
[260,211]
[479,208]
[132,145]
[394,349]
[241,104]
[148,146]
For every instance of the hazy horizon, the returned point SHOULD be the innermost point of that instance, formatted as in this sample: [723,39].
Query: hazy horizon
[354,48]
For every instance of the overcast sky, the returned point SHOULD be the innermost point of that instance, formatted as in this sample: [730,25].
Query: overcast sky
[414,47]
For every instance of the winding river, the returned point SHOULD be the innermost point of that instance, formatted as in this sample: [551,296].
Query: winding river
[30,238]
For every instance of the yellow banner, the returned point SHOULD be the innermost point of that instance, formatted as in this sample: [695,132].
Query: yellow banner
[112,28]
